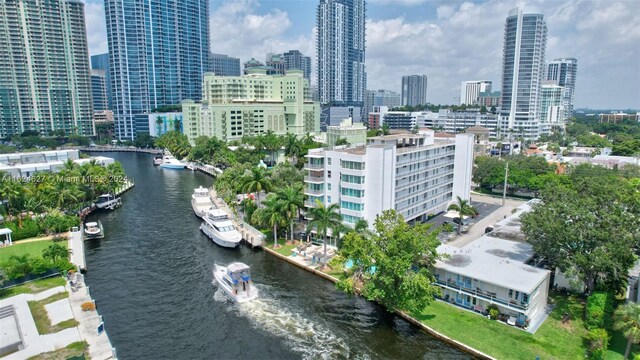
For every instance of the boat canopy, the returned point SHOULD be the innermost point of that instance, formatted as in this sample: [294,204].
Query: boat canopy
[91,224]
[201,191]
[239,272]
[217,214]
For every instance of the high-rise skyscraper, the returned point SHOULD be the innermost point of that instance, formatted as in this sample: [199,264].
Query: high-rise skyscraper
[562,72]
[44,68]
[101,62]
[294,59]
[224,65]
[470,91]
[158,53]
[551,106]
[388,98]
[341,52]
[99,90]
[414,90]
[525,41]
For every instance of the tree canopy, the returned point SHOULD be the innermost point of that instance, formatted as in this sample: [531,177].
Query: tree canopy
[391,264]
[589,227]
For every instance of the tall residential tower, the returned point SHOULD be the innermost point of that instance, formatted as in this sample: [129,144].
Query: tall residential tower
[562,72]
[158,53]
[470,91]
[341,52]
[44,73]
[414,90]
[525,41]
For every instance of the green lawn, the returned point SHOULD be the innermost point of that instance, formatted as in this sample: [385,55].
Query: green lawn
[41,318]
[31,248]
[75,349]
[33,287]
[552,340]
[283,249]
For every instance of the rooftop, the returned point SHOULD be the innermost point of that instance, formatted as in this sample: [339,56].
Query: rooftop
[495,261]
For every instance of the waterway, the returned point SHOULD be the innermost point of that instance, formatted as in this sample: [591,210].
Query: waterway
[151,277]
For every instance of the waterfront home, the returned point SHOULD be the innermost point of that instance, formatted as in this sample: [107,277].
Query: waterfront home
[492,271]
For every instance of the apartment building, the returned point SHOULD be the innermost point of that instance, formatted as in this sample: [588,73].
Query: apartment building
[250,105]
[415,174]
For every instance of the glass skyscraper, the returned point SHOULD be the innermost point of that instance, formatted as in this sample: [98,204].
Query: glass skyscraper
[101,62]
[224,65]
[158,53]
[44,68]
[523,65]
[341,52]
[562,72]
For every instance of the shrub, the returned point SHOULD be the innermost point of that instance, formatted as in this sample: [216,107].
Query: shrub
[598,343]
[30,228]
[493,311]
[88,306]
[599,310]
[57,223]
[39,265]
[16,266]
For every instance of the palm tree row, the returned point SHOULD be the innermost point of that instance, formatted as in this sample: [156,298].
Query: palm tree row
[280,209]
[65,190]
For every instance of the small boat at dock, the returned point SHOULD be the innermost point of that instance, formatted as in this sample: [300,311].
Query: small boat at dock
[93,230]
[219,228]
[157,160]
[201,201]
[235,281]
[170,162]
[108,202]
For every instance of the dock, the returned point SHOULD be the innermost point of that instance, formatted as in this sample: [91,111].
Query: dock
[252,236]
[76,248]
[120,149]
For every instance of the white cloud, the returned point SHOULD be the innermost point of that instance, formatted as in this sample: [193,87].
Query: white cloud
[96,27]
[465,43]
[238,30]
[398,2]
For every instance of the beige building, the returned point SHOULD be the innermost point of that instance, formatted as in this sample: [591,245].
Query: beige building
[355,134]
[250,105]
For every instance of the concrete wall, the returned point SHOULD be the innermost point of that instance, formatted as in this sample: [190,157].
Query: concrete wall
[463,167]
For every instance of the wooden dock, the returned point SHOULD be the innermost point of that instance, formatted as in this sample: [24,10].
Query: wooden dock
[250,235]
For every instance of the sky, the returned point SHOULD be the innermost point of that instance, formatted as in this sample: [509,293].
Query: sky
[449,41]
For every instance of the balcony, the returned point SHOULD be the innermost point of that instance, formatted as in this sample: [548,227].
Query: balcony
[314,179]
[309,191]
[484,295]
[314,166]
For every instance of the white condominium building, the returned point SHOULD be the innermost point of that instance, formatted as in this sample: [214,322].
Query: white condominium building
[415,174]
[470,91]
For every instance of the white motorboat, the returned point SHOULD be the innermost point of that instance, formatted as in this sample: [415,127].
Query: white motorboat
[235,281]
[93,230]
[108,201]
[201,201]
[220,229]
[170,162]
[157,160]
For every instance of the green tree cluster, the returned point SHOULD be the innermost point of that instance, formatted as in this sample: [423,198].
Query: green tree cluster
[391,264]
[589,226]
[175,142]
[527,173]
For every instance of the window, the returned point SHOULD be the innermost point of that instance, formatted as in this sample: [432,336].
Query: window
[353,179]
[328,161]
[351,165]
[525,298]
[329,186]
[510,293]
[351,206]
[329,174]
[329,199]
[517,295]
[352,192]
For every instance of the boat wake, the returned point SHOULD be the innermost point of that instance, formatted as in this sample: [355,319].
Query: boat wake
[310,339]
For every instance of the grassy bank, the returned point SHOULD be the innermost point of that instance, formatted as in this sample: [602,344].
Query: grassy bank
[33,248]
[41,318]
[76,349]
[33,287]
[283,249]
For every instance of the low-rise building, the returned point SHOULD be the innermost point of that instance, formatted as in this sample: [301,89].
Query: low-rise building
[453,122]
[251,105]
[25,165]
[355,134]
[414,174]
[494,270]
[103,117]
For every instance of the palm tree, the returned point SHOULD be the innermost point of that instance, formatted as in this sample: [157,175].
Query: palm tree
[322,218]
[159,122]
[292,200]
[54,252]
[292,146]
[256,181]
[177,125]
[627,319]
[272,215]
[11,191]
[464,208]
[361,226]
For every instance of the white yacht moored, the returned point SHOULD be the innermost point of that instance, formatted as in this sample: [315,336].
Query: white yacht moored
[170,162]
[201,201]
[235,281]
[108,202]
[220,229]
